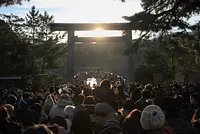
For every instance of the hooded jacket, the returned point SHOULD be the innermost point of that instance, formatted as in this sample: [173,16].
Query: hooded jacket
[58,109]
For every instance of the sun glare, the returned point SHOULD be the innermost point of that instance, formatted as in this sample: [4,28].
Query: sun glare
[99,32]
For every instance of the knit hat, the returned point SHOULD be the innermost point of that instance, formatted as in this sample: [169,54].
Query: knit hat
[152,118]
[102,109]
[111,127]
[64,100]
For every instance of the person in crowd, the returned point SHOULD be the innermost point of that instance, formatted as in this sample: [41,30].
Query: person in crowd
[11,110]
[121,97]
[186,111]
[171,109]
[29,119]
[7,126]
[12,100]
[158,96]
[153,121]
[89,103]
[26,101]
[38,129]
[40,110]
[78,100]
[186,94]
[135,91]
[68,112]
[131,124]
[111,127]
[81,122]
[128,106]
[143,101]
[194,101]
[58,109]
[60,121]
[48,104]
[105,94]
[102,113]
[196,120]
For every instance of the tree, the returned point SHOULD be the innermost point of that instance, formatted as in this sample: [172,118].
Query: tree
[11,2]
[16,23]
[166,21]
[32,23]
[44,32]
[161,16]
[14,52]
[46,49]
[29,47]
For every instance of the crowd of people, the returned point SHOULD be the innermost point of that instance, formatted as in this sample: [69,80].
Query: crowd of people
[110,108]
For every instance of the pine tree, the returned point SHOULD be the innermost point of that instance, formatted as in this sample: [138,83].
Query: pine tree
[14,52]
[32,23]
[44,29]
[16,23]
[11,2]
[51,51]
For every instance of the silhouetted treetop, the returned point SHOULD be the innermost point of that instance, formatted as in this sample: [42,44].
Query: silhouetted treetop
[11,2]
[165,14]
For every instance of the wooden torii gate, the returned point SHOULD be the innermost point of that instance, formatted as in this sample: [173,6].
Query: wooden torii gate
[72,27]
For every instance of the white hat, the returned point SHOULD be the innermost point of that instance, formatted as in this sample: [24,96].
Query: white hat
[152,117]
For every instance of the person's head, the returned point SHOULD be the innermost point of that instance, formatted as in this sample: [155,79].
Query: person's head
[63,101]
[46,94]
[105,84]
[148,87]
[26,96]
[132,122]
[146,94]
[7,127]
[30,118]
[65,97]
[89,100]
[134,115]
[12,100]
[111,127]
[180,99]
[170,107]
[193,98]
[128,107]
[102,109]
[81,120]
[60,121]
[89,103]
[52,89]
[68,111]
[4,115]
[37,108]
[152,118]
[78,100]
[10,108]
[38,129]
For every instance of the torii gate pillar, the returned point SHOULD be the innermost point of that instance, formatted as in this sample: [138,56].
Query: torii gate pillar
[70,57]
[130,64]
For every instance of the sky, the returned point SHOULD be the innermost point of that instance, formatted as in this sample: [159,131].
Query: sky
[83,11]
